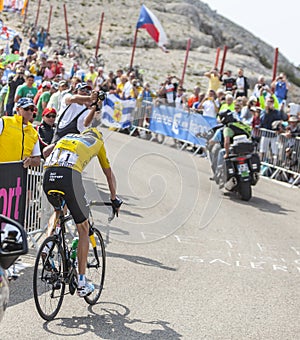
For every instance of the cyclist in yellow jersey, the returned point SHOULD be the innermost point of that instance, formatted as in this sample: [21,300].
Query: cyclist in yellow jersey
[63,170]
[76,150]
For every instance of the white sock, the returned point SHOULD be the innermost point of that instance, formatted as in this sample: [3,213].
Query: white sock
[81,280]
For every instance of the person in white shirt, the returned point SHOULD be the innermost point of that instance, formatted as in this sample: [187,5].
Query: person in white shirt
[56,98]
[77,116]
[209,105]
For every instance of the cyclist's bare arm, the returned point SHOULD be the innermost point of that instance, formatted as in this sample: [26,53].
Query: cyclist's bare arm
[111,181]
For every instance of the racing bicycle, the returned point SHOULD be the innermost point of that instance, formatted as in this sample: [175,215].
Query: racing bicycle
[54,270]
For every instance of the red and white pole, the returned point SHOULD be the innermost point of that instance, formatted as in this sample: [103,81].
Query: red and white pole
[275,64]
[99,35]
[188,46]
[223,59]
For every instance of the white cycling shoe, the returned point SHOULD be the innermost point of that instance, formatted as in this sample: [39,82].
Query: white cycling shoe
[85,290]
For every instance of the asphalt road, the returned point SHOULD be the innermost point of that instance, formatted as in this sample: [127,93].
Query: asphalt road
[184,261]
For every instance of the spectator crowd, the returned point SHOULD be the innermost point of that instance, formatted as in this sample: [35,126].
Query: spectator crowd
[55,91]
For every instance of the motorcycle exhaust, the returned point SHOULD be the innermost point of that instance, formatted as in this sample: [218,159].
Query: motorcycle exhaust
[231,183]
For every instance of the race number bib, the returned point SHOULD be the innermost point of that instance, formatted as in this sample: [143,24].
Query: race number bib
[61,157]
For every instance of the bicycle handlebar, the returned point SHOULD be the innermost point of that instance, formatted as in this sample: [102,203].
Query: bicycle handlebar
[102,204]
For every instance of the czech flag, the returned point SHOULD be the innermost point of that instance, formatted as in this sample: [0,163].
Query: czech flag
[148,21]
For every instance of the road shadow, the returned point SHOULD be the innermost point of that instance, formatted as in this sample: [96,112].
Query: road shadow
[112,321]
[141,260]
[99,192]
[22,284]
[260,203]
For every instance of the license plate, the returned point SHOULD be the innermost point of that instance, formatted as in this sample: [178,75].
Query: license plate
[243,169]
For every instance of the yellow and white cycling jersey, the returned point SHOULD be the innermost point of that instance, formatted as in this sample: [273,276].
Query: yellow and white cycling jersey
[76,150]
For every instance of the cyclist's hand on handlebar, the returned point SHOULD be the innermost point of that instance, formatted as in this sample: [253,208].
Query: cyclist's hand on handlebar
[116,203]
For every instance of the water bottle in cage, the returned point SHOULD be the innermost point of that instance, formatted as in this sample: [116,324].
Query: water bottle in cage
[74,246]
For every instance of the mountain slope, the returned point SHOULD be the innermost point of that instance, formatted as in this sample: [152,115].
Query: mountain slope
[180,19]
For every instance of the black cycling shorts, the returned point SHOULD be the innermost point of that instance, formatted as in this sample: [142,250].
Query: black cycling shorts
[70,182]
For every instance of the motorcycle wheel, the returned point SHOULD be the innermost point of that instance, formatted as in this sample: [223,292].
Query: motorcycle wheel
[245,191]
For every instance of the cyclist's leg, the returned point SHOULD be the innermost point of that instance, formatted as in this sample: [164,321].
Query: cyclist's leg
[51,222]
[77,204]
[83,246]
[52,181]
[84,288]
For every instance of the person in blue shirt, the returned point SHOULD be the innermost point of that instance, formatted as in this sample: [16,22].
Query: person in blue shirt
[281,88]
[16,43]
[33,46]
[41,38]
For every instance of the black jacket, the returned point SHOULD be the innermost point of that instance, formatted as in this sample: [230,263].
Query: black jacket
[46,133]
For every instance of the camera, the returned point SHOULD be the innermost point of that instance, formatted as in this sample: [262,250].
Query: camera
[101,95]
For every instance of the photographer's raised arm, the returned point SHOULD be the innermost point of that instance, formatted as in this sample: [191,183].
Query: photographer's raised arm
[90,116]
[93,108]
[80,99]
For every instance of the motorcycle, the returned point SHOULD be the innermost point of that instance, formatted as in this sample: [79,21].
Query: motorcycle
[240,171]
[13,243]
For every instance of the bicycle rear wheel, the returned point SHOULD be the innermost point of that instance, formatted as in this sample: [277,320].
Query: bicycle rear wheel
[48,281]
[95,271]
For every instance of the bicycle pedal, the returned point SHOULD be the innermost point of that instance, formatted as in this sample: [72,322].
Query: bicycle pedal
[57,286]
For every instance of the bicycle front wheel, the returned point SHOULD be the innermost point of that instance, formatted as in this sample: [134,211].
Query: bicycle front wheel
[48,281]
[95,271]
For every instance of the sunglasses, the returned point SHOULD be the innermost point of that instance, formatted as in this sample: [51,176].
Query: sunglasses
[51,116]
[85,90]
[28,108]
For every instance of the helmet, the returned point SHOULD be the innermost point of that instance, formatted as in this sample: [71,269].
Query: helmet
[93,132]
[226,117]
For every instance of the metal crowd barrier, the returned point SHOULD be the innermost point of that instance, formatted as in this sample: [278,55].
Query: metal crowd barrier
[38,210]
[280,156]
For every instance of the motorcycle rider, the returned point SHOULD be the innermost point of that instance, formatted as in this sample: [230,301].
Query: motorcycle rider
[215,144]
[232,128]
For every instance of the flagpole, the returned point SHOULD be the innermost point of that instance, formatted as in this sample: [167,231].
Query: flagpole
[186,59]
[67,31]
[37,14]
[133,49]
[25,12]
[217,57]
[275,63]
[49,20]
[99,35]
[223,59]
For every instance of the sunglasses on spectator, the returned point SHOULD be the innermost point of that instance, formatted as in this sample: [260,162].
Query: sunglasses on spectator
[85,90]
[31,108]
[51,116]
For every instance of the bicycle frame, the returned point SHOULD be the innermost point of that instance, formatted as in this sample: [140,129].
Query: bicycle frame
[60,232]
